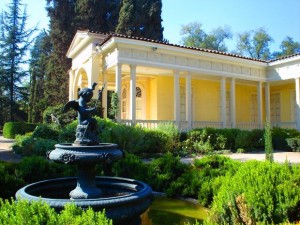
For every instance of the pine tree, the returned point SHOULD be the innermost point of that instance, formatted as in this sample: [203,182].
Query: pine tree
[141,18]
[15,42]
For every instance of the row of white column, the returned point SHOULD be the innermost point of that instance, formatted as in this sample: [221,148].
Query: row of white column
[132,91]
[223,101]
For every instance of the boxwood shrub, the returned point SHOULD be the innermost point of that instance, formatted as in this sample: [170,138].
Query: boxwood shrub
[11,129]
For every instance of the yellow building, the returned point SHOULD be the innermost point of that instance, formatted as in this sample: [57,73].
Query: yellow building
[159,82]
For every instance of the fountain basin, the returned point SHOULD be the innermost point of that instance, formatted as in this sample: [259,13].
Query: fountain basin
[69,153]
[123,199]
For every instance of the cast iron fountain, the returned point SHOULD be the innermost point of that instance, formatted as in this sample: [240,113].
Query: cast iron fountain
[124,200]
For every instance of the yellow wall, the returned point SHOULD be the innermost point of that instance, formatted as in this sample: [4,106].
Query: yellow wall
[165,98]
[206,100]
[243,102]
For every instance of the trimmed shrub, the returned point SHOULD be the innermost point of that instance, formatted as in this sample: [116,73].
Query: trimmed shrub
[12,129]
[36,213]
[27,145]
[260,193]
[46,132]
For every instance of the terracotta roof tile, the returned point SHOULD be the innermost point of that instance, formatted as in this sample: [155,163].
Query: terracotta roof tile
[109,35]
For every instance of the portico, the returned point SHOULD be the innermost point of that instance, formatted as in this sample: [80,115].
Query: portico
[160,82]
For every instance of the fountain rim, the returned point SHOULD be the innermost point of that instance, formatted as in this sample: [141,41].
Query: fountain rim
[137,195]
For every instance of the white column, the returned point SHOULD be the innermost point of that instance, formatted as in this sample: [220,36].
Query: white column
[259,106]
[223,101]
[71,84]
[133,94]
[176,98]
[118,78]
[188,102]
[297,103]
[232,103]
[104,96]
[268,105]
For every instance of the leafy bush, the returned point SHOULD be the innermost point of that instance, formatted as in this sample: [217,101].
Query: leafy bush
[67,133]
[12,129]
[294,143]
[46,169]
[57,112]
[164,174]
[204,141]
[36,213]
[27,145]
[46,132]
[11,179]
[280,135]
[202,182]
[131,166]
[261,192]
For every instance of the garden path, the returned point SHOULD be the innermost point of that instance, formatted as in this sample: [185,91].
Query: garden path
[6,153]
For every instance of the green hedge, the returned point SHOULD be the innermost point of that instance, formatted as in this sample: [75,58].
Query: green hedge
[36,213]
[260,192]
[11,129]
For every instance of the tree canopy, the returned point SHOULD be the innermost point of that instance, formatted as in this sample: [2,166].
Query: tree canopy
[15,42]
[194,35]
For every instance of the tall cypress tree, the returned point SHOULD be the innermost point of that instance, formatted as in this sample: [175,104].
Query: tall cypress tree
[38,62]
[141,18]
[15,42]
[96,15]
[62,30]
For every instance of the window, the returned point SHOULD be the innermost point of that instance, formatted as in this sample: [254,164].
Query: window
[275,107]
[139,103]
[124,99]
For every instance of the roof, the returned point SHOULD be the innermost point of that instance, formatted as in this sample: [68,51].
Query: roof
[110,35]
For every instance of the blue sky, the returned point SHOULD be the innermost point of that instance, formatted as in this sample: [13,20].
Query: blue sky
[280,18]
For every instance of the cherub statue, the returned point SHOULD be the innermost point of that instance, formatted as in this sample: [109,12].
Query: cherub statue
[87,132]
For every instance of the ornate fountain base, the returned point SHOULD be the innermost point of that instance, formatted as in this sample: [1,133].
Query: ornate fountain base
[123,199]
[86,158]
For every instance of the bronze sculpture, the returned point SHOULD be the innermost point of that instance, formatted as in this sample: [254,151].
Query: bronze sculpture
[87,130]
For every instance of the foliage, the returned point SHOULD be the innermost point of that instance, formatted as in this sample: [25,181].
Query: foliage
[204,141]
[254,44]
[37,67]
[67,133]
[54,114]
[130,166]
[195,36]
[203,181]
[11,129]
[279,136]
[114,106]
[172,132]
[288,47]
[14,45]
[141,19]
[27,145]
[261,192]
[46,131]
[268,142]
[10,179]
[164,174]
[24,212]
[294,143]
